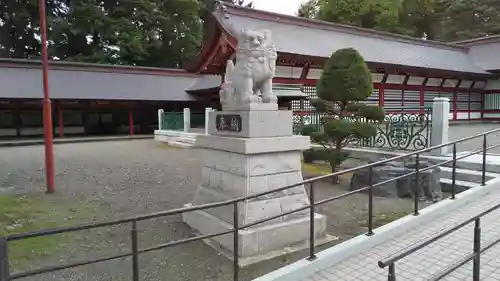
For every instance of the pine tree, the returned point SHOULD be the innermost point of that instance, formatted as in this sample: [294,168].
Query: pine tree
[342,89]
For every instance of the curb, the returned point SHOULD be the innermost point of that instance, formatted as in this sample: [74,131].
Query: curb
[76,140]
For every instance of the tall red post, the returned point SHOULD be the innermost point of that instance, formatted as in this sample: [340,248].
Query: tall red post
[422,101]
[47,107]
[61,121]
[131,122]
[381,95]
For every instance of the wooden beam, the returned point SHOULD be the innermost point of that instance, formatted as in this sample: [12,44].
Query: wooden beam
[305,71]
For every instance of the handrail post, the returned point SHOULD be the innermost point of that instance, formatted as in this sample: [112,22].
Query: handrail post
[454,172]
[135,254]
[392,272]
[236,242]
[417,183]
[476,267]
[4,260]
[483,176]
[370,202]
[429,131]
[312,255]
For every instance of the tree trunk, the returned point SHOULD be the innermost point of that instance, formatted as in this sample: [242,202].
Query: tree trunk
[335,179]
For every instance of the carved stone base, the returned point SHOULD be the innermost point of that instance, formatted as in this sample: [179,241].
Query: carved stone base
[253,145]
[239,166]
[258,243]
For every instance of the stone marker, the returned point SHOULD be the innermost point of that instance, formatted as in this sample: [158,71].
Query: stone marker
[251,149]
[429,186]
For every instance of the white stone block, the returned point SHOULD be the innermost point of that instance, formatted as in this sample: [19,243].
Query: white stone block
[256,124]
[254,164]
[254,145]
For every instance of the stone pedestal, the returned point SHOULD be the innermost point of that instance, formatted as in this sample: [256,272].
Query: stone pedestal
[440,124]
[186,115]
[248,152]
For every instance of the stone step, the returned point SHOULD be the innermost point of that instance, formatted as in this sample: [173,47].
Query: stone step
[180,144]
[466,175]
[475,162]
[188,140]
[460,186]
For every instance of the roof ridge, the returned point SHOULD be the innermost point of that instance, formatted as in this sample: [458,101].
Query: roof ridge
[77,65]
[483,39]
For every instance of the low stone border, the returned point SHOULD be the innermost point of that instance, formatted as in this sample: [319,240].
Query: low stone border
[14,143]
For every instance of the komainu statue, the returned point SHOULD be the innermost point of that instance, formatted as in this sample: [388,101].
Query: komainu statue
[250,79]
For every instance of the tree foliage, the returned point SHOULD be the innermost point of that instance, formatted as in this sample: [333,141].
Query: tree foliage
[162,33]
[445,20]
[344,85]
[380,15]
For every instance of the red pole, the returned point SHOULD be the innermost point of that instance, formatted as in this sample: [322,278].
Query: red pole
[47,107]
[61,122]
[131,122]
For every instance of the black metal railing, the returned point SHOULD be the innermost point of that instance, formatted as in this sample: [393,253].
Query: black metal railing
[475,256]
[5,275]
[403,128]
[406,128]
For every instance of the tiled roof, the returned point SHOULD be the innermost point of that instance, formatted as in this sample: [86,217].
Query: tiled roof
[206,82]
[89,83]
[321,39]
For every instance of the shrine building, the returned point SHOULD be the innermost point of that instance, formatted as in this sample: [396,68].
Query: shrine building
[408,73]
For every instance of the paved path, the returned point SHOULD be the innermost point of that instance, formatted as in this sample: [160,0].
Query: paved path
[459,131]
[430,260]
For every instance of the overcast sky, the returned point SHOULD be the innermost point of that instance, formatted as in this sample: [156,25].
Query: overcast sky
[288,7]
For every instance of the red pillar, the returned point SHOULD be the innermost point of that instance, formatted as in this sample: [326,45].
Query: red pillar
[47,107]
[61,122]
[422,101]
[482,105]
[455,113]
[131,122]
[381,94]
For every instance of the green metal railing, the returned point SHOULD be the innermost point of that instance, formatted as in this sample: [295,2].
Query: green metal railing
[197,119]
[172,121]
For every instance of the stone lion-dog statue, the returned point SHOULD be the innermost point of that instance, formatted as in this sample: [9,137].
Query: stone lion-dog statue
[250,79]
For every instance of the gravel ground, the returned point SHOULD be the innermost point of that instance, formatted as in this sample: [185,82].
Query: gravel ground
[125,178]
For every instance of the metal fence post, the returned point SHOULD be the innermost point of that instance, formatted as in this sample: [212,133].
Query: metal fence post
[312,255]
[370,202]
[454,172]
[236,241]
[417,187]
[476,267]
[4,260]
[135,255]
[392,272]
[483,176]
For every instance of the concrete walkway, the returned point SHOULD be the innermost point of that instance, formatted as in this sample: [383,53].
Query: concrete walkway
[432,259]
[24,142]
